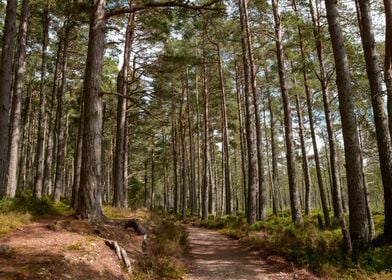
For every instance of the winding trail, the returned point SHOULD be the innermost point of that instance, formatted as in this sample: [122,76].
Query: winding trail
[212,256]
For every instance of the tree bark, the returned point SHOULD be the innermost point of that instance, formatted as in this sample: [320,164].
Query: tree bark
[225,131]
[40,155]
[359,228]
[388,58]
[206,147]
[250,115]
[305,163]
[7,54]
[290,148]
[61,143]
[16,112]
[90,201]
[380,118]
[119,187]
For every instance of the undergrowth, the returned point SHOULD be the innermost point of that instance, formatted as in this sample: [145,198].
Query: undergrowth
[166,244]
[309,246]
[20,210]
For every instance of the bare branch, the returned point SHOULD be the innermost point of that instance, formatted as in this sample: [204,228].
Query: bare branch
[168,4]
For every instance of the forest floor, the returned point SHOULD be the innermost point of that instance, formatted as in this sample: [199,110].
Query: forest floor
[212,256]
[65,248]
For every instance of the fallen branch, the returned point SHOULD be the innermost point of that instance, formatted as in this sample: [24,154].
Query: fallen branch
[120,252]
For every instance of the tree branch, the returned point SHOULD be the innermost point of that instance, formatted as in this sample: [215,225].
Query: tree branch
[168,4]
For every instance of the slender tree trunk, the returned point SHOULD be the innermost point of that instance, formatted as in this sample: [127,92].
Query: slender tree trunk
[379,115]
[290,148]
[275,172]
[388,58]
[145,182]
[152,193]
[242,135]
[122,88]
[192,189]
[320,182]
[336,186]
[40,156]
[90,201]
[206,147]
[61,143]
[175,165]
[49,153]
[359,228]
[7,54]
[77,158]
[16,112]
[305,163]
[225,129]
[250,114]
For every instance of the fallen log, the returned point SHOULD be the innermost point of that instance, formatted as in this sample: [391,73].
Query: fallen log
[120,252]
[136,225]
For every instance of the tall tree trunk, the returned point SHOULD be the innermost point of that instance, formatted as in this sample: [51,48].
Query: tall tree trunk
[359,228]
[122,88]
[275,172]
[49,152]
[7,54]
[225,129]
[305,163]
[320,182]
[251,137]
[380,118]
[40,156]
[206,147]
[388,58]
[152,193]
[323,77]
[175,165]
[290,148]
[77,159]
[16,112]
[192,170]
[241,117]
[90,201]
[61,143]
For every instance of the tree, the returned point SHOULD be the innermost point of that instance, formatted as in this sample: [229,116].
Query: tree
[290,154]
[16,111]
[380,117]
[5,88]
[359,228]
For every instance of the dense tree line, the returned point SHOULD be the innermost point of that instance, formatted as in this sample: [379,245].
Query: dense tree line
[201,107]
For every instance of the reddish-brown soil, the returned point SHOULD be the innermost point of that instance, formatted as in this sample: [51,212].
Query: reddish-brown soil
[65,248]
[212,256]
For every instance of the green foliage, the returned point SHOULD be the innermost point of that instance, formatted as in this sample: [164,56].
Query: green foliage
[25,202]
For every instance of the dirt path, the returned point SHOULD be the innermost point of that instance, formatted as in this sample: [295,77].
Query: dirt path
[71,250]
[213,256]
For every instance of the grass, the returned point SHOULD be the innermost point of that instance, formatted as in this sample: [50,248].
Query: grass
[319,250]
[19,211]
